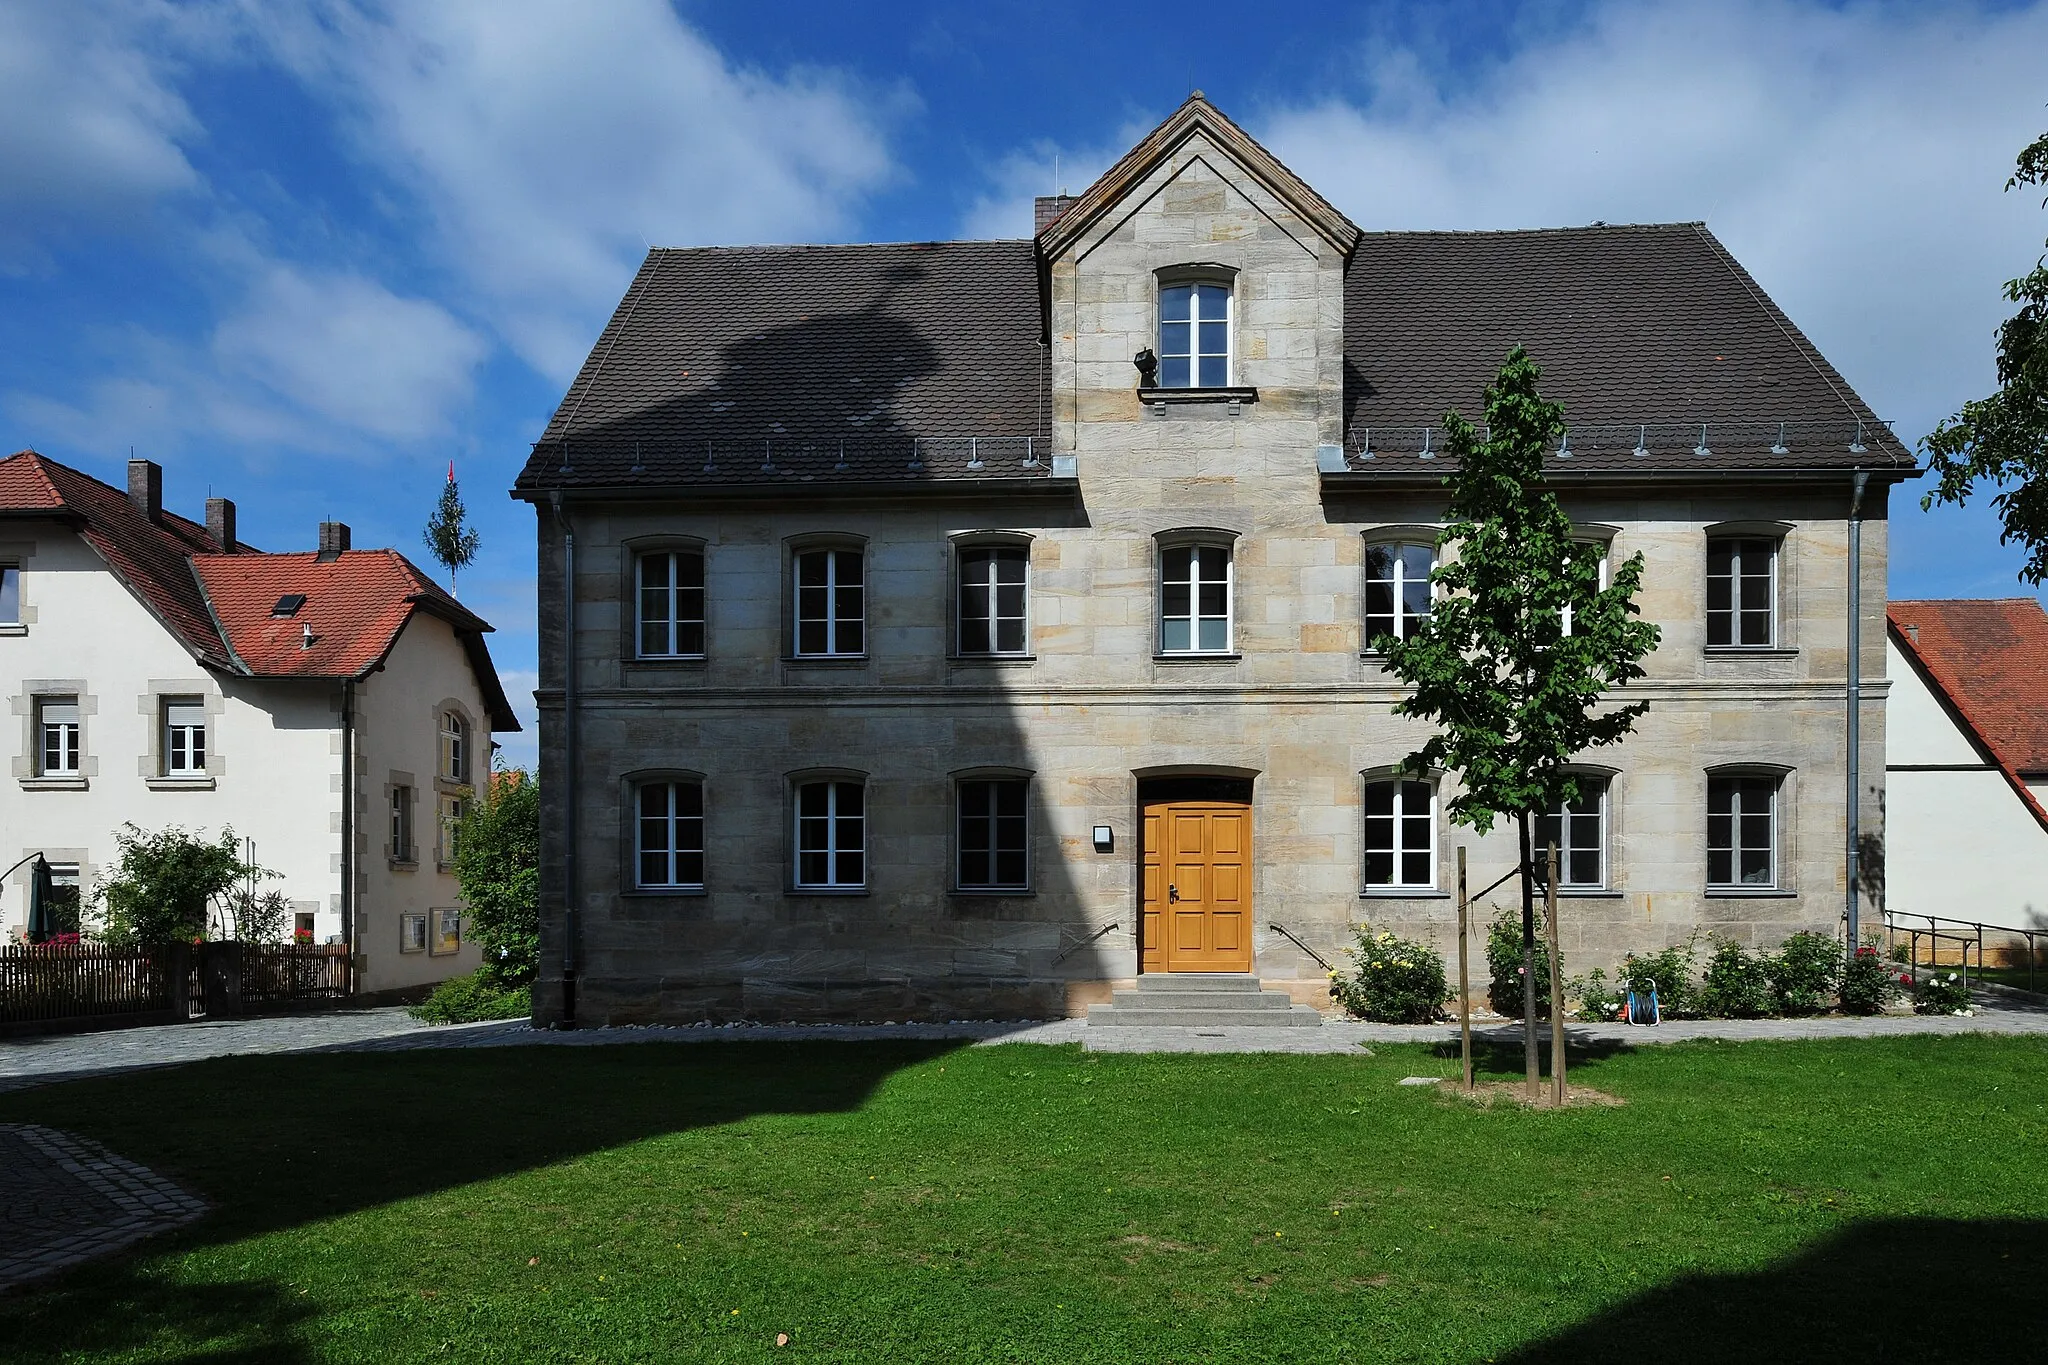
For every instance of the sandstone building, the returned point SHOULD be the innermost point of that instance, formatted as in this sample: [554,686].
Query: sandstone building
[910,651]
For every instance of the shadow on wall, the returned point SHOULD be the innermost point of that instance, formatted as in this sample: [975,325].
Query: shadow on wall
[1918,1289]
[363,1130]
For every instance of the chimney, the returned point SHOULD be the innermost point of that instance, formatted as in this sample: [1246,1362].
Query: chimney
[146,487]
[1047,209]
[333,541]
[220,522]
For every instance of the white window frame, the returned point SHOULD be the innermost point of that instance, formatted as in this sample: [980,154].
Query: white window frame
[1402,620]
[449,808]
[970,556]
[10,594]
[673,623]
[1605,580]
[835,624]
[1405,788]
[455,746]
[59,739]
[403,846]
[1194,582]
[676,828]
[836,825]
[1194,355]
[1774,547]
[993,823]
[1773,784]
[1566,829]
[184,743]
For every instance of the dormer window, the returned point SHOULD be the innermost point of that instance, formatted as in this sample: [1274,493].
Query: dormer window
[1194,335]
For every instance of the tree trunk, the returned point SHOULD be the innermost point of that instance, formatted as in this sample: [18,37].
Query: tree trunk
[1529,1056]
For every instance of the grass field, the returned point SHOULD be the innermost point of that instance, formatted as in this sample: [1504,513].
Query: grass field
[1857,1200]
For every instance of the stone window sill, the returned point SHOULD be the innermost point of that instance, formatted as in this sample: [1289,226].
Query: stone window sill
[1590,893]
[1749,893]
[993,893]
[53,784]
[12,628]
[1194,658]
[179,784]
[992,660]
[660,662]
[827,661]
[826,891]
[1751,652]
[664,893]
[1402,893]
[402,864]
[1240,393]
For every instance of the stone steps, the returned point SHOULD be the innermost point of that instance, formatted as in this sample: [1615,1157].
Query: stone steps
[1200,1000]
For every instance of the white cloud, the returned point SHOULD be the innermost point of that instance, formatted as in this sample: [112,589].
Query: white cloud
[90,124]
[550,143]
[1850,156]
[1004,210]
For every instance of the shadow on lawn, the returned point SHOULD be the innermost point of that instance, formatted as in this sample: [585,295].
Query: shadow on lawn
[1502,1056]
[1919,1289]
[277,1142]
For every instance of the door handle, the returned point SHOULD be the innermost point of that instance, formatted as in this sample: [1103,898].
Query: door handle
[1172,894]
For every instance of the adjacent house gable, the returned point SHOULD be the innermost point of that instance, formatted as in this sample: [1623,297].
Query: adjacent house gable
[1987,664]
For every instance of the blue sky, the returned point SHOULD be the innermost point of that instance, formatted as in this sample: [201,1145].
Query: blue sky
[305,254]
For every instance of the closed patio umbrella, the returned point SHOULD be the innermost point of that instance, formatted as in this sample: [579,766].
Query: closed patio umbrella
[40,891]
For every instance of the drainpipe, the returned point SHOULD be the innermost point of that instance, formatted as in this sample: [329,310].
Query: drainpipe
[1855,697]
[569,917]
[348,824]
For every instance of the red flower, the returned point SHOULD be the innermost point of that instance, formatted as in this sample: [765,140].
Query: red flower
[1905,979]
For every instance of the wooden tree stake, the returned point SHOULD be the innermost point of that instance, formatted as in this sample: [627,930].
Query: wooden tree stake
[1464,974]
[1557,1086]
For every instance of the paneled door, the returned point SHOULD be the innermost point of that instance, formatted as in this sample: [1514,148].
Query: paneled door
[1197,887]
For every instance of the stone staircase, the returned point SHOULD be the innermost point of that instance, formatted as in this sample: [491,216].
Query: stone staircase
[1201,1000]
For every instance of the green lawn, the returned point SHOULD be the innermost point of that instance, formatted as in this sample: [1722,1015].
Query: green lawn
[1856,1200]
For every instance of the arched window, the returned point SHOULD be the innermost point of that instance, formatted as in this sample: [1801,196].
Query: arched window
[455,747]
[1400,834]
[669,593]
[993,606]
[831,834]
[1194,334]
[1397,591]
[669,835]
[1197,592]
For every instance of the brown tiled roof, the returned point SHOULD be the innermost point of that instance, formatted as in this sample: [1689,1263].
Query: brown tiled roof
[1635,326]
[217,603]
[152,558]
[807,358]
[1989,660]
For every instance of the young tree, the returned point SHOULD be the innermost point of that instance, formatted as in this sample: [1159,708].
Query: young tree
[2004,438]
[163,884]
[1516,696]
[497,864]
[450,538]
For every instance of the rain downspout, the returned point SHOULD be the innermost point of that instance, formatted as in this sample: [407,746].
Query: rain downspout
[568,783]
[1851,853]
[348,822]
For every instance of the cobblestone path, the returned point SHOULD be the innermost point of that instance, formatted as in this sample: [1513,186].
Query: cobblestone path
[66,1199]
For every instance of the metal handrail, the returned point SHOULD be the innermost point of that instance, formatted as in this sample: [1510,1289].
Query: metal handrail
[1066,953]
[1295,939]
[1975,937]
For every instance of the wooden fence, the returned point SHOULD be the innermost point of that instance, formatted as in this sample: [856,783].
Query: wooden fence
[73,981]
[283,973]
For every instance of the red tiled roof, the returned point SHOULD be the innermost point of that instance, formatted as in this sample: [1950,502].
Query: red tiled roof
[218,603]
[1989,658]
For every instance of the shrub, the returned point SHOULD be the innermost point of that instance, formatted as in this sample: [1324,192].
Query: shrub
[466,999]
[1868,983]
[1504,967]
[1600,1002]
[1942,993]
[1805,973]
[1671,970]
[1737,984]
[497,865]
[163,884]
[1398,981]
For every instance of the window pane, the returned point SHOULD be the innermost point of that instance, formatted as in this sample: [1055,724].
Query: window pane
[810,637]
[811,568]
[1215,338]
[1215,597]
[1379,798]
[851,796]
[811,800]
[1379,867]
[10,593]
[1214,372]
[653,869]
[689,869]
[1010,867]
[1009,565]
[1415,869]
[810,868]
[1379,561]
[654,572]
[850,868]
[1177,634]
[1214,634]
[1173,339]
[1416,561]
[689,569]
[1173,372]
[1174,302]
[1414,603]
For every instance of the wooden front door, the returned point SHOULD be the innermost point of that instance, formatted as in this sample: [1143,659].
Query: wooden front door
[1198,887]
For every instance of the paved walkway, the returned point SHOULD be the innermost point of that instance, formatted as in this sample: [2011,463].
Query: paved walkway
[68,1200]
[41,1061]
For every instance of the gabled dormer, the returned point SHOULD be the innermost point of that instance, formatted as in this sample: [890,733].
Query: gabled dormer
[1197,280]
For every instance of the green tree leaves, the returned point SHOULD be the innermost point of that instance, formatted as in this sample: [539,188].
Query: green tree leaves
[2003,439]
[497,864]
[163,883]
[449,537]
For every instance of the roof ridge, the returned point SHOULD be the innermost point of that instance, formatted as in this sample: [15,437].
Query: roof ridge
[1677,224]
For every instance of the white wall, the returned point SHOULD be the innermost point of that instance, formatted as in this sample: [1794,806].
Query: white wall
[1958,840]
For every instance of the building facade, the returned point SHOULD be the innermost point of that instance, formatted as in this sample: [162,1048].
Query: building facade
[962,629]
[333,708]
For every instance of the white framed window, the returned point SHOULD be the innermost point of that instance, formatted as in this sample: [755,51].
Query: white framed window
[412,931]
[1579,829]
[401,826]
[1400,834]
[10,594]
[57,730]
[1603,581]
[669,839]
[1194,335]
[831,835]
[450,811]
[1195,599]
[993,599]
[184,737]
[994,840]
[455,747]
[1742,830]
[1397,592]
[670,591]
[1742,592]
[831,603]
